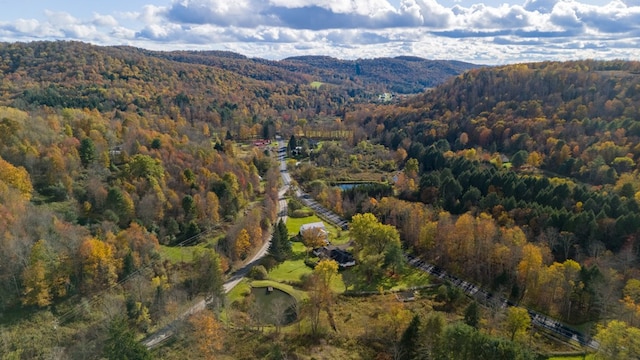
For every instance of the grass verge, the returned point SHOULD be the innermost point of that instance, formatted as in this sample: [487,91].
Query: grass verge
[299,295]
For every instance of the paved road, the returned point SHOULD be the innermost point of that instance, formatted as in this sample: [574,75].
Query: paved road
[168,331]
[321,211]
[485,297]
[470,289]
[307,200]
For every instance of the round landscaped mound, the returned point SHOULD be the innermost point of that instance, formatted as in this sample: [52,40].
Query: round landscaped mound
[277,307]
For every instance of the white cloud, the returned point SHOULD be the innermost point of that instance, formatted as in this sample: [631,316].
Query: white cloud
[60,18]
[27,26]
[104,20]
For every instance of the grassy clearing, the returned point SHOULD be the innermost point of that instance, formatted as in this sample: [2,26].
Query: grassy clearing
[579,357]
[293,224]
[337,236]
[238,292]
[407,278]
[289,271]
[316,84]
[292,270]
[298,248]
[177,254]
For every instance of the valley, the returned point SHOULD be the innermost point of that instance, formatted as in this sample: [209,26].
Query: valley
[187,204]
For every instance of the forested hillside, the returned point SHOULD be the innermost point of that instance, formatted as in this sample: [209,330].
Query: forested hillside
[132,183]
[113,159]
[403,74]
[524,178]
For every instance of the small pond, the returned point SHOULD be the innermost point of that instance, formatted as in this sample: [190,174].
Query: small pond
[347,186]
[276,305]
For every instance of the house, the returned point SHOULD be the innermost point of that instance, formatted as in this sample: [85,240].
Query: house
[262,142]
[318,225]
[344,258]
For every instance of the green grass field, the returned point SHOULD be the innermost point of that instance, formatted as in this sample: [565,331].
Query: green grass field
[289,271]
[588,357]
[316,84]
[177,254]
[336,236]
[293,224]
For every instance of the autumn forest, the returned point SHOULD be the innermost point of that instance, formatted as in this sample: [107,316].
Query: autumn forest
[134,183]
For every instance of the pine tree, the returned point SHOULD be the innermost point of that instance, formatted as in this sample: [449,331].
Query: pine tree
[409,339]
[293,143]
[471,315]
[121,343]
[280,247]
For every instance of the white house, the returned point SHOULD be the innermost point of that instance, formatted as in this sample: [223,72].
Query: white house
[315,225]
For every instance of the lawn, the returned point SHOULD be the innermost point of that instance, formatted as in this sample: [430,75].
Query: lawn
[177,254]
[289,271]
[238,292]
[292,270]
[293,224]
[336,236]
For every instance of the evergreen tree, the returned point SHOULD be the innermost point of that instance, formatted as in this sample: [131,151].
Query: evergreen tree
[87,151]
[409,339]
[293,143]
[121,343]
[280,247]
[472,315]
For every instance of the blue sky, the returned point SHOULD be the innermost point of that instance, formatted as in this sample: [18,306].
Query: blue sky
[479,31]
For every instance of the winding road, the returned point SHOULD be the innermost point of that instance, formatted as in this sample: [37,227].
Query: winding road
[468,288]
[168,331]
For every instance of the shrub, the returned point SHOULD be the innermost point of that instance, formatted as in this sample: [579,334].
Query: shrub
[269,262]
[301,213]
[258,273]
[294,204]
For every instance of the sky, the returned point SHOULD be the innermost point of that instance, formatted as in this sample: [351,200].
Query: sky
[478,31]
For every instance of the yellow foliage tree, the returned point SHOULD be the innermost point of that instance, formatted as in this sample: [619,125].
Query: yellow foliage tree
[100,267]
[313,238]
[36,285]
[243,244]
[16,177]
[208,333]
[529,269]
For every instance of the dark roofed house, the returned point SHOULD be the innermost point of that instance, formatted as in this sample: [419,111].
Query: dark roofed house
[344,258]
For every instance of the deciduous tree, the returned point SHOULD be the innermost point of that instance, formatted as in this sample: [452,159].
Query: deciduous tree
[208,333]
[242,244]
[207,274]
[99,266]
[314,237]
[320,293]
[517,321]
